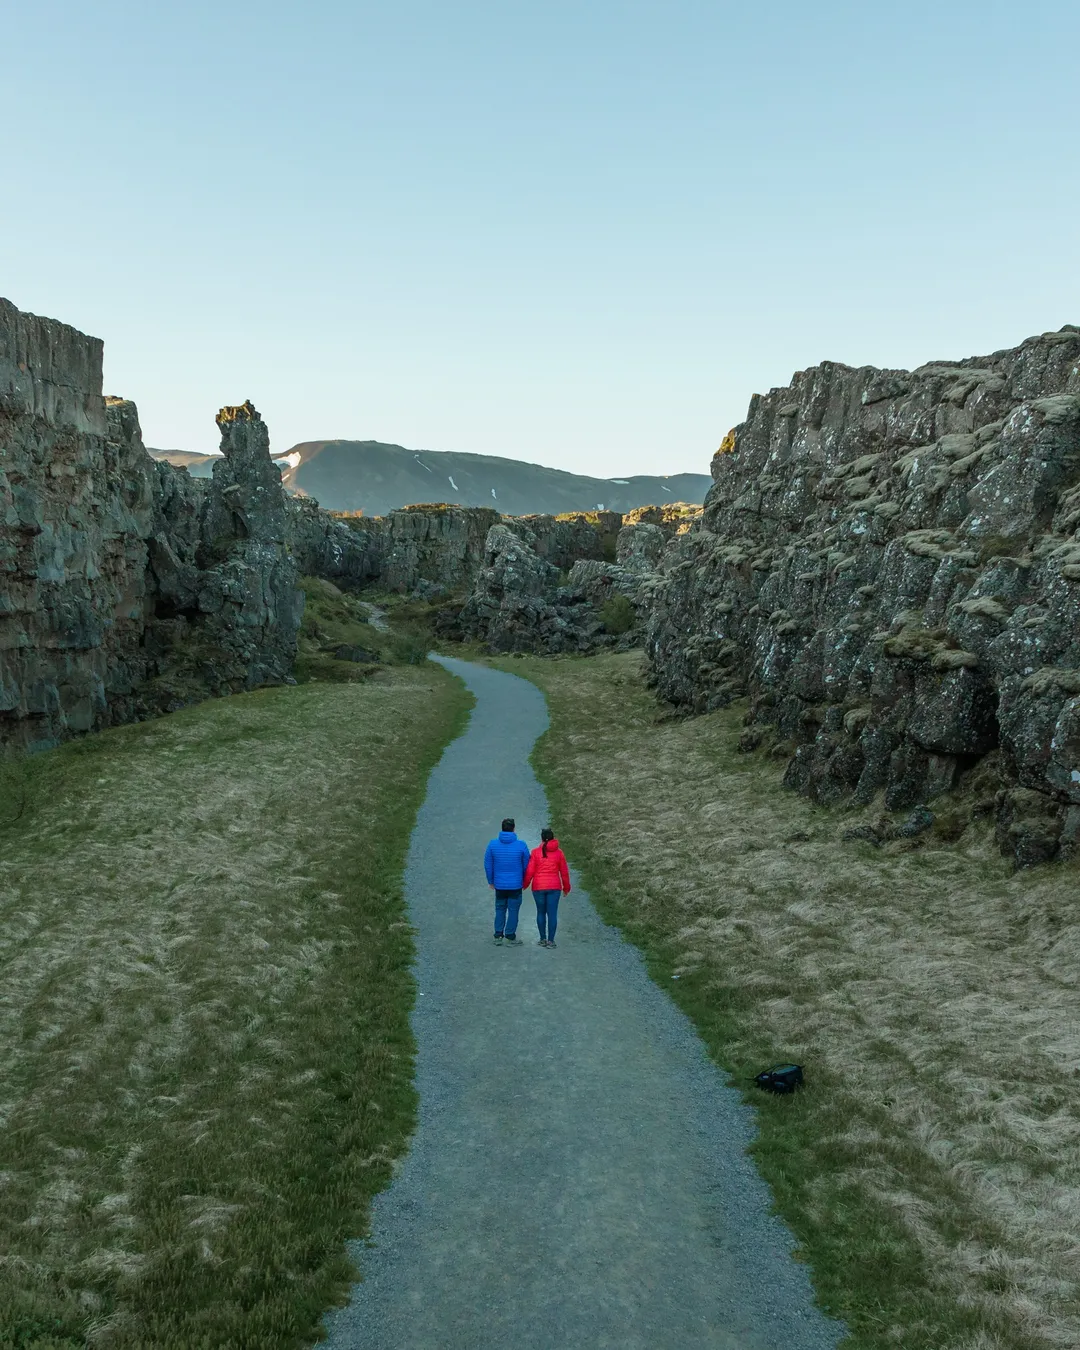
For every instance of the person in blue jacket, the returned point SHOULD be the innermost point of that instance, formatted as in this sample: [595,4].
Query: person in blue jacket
[505,861]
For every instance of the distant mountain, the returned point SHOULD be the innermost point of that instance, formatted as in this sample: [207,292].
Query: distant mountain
[200,466]
[374,477]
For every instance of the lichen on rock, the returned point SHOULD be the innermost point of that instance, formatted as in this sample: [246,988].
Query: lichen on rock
[884,565]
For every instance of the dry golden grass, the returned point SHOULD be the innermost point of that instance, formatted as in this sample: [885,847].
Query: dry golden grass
[205,1058]
[931,1170]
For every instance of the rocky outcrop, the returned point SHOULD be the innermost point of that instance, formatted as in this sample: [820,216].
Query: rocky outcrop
[246,604]
[510,607]
[673,518]
[127,586]
[435,550]
[324,546]
[888,565]
[640,548]
[523,602]
[562,540]
[430,549]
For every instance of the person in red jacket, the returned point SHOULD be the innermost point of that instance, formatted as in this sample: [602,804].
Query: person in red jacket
[549,877]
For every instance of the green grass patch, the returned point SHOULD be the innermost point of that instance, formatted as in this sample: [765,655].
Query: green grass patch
[930,1170]
[205,979]
[338,642]
[618,615]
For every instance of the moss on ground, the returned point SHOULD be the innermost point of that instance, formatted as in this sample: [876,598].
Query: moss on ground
[205,979]
[930,1170]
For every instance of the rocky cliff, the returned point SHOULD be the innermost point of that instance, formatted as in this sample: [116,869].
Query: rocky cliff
[431,548]
[436,549]
[127,586]
[559,585]
[888,564]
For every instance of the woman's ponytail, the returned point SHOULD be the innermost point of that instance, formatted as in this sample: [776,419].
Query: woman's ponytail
[547,836]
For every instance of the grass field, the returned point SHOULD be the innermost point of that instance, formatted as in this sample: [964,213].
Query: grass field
[205,1057]
[931,1168]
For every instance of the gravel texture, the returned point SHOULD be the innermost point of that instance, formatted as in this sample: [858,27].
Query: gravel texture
[579,1176]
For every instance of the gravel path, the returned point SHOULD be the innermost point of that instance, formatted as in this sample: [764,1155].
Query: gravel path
[578,1178]
[375,616]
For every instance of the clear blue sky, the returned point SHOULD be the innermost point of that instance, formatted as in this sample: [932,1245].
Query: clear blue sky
[578,233]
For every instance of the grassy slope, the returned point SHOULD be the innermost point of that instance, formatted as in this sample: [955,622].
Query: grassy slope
[205,1057]
[333,618]
[931,1169]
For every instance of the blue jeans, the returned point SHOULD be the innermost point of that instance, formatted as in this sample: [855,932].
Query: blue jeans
[547,913]
[507,904]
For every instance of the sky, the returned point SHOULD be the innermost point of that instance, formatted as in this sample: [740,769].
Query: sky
[578,233]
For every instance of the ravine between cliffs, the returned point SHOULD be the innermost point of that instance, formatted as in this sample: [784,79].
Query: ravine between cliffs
[579,1174]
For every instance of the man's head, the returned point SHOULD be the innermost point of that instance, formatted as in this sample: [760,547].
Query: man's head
[508,825]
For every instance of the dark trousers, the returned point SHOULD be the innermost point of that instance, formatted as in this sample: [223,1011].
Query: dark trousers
[507,904]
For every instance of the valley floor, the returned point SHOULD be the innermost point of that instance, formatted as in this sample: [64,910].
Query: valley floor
[205,1055]
[931,1168]
[578,1178]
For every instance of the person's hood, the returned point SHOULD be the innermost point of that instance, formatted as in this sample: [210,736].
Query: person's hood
[507,836]
[551,844]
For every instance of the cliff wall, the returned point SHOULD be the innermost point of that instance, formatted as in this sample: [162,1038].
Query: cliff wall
[546,584]
[432,548]
[438,548]
[126,587]
[888,565]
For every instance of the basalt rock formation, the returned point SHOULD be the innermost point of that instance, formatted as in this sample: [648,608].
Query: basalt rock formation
[127,587]
[130,587]
[435,550]
[424,549]
[888,564]
[545,585]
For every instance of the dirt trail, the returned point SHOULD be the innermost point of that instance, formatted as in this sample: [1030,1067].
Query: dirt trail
[578,1177]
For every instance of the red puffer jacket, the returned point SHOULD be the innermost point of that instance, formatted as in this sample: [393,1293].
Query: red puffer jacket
[550,873]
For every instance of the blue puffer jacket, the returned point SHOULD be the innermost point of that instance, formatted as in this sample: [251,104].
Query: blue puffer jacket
[505,862]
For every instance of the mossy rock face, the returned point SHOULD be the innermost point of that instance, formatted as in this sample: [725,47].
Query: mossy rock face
[902,542]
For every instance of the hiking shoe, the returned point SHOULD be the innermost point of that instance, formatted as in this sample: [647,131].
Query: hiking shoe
[513,940]
[549,943]
[542,942]
[498,939]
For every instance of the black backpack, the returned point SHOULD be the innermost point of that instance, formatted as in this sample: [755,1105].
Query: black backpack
[781,1078]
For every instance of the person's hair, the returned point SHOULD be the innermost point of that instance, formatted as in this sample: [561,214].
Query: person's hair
[508,824]
[547,836]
